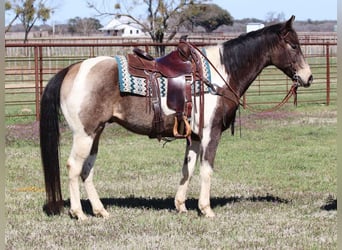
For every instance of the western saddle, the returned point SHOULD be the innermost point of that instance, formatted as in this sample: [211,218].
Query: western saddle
[181,67]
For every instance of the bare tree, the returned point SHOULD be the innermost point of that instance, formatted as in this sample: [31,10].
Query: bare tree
[28,12]
[273,17]
[157,18]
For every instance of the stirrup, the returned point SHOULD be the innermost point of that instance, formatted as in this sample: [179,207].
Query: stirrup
[176,134]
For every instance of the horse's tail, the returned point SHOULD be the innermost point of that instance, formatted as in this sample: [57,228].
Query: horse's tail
[49,142]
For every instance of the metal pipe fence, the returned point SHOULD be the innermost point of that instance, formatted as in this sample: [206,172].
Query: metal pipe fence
[28,67]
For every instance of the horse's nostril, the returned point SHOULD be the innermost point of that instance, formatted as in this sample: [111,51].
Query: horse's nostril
[310,80]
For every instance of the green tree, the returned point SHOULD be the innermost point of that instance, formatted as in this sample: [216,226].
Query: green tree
[83,26]
[208,16]
[28,12]
[159,18]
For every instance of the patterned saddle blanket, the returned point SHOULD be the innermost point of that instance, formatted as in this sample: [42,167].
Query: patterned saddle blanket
[135,85]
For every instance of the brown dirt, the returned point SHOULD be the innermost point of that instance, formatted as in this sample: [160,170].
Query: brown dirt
[29,131]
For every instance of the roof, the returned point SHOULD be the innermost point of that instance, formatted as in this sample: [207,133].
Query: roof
[116,24]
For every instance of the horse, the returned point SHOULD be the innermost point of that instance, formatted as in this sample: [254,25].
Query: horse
[88,96]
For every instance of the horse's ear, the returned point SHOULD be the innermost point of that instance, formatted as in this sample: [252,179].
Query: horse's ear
[289,23]
[288,26]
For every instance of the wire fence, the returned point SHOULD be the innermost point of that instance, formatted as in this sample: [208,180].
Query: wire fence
[28,67]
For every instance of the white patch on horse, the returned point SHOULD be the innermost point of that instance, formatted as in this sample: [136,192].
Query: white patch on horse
[214,56]
[210,100]
[204,198]
[72,104]
[165,108]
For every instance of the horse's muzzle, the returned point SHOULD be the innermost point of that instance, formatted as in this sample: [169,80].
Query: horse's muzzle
[300,82]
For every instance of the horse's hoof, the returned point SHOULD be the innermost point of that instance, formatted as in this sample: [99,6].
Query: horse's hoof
[208,212]
[82,217]
[180,207]
[102,213]
[79,215]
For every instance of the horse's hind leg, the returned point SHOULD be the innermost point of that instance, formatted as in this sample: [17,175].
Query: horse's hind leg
[80,164]
[87,177]
[81,147]
[190,160]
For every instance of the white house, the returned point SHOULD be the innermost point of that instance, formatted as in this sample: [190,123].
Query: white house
[118,27]
[254,26]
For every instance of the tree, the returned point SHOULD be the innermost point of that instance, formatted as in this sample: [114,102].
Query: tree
[208,16]
[161,17]
[8,7]
[83,26]
[273,17]
[28,12]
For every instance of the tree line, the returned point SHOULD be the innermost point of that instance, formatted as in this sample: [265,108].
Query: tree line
[162,16]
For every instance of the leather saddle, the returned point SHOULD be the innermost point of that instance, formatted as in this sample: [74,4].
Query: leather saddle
[170,66]
[178,68]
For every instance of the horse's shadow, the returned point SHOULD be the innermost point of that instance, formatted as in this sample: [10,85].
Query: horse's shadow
[330,204]
[168,203]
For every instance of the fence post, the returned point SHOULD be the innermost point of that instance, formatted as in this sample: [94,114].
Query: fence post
[36,77]
[40,78]
[328,74]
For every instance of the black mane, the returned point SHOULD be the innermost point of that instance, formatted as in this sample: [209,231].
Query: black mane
[244,50]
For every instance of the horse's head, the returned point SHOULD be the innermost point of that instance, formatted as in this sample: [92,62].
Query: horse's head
[288,56]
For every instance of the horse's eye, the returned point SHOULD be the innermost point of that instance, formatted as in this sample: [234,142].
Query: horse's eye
[293,46]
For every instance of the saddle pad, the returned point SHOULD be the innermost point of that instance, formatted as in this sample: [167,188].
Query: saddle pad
[137,86]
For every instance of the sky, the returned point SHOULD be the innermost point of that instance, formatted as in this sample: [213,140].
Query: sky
[302,9]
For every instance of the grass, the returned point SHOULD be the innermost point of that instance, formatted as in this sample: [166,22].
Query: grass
[269,190]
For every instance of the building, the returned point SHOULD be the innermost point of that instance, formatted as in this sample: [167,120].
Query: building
[254,26]
[120,27]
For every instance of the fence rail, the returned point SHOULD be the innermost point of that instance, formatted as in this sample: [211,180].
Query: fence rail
[28,67]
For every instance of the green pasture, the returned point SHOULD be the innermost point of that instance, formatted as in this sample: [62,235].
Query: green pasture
[273,188]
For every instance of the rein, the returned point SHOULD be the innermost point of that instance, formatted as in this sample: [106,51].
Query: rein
[292,92]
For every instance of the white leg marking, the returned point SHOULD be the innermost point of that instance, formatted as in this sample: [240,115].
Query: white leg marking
[187,171]
[204,199]
[206,170]
[71,105]
[79,152]
[96,204]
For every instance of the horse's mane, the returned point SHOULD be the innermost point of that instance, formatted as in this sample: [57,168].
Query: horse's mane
[246,49]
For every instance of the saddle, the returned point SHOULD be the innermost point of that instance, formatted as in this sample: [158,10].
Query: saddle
[180,70]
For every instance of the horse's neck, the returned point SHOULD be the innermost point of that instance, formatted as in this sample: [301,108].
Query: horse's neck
[251,62]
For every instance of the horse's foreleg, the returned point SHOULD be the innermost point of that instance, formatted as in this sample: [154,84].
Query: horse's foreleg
[87,177]
[209,148]
[79,153]
[190,160]
[204,198]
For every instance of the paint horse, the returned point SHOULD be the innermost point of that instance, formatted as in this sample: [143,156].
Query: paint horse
[89,97]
